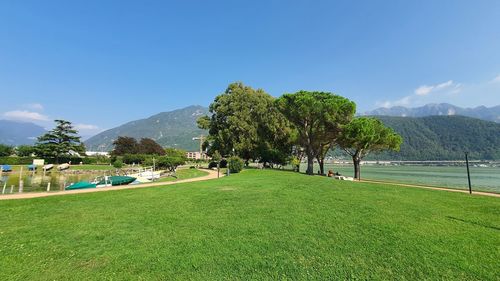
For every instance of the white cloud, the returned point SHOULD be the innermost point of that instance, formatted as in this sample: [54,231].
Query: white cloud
[426,94]
[406,101]
[424,90]
[24,115]
[496,79]
[35,106]
[86,127]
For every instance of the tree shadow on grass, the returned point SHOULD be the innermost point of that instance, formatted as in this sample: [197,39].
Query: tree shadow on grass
[473,223]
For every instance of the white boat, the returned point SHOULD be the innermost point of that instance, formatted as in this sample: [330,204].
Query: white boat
[63,167]
[48,167]
[146,175]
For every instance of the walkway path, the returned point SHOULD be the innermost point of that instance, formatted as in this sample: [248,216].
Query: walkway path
[211,175]
[434,188]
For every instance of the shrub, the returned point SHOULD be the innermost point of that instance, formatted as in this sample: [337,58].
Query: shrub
[235,164]
[166,162]
[118,163]
[16,160]
[134,158]
[212,165]
[223,163]
[6,150]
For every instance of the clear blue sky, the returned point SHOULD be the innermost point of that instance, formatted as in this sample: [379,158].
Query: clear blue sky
[103,63]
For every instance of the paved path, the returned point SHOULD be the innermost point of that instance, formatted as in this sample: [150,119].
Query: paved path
[435,188]
[211,175]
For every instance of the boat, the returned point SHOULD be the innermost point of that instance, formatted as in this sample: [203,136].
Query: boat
[31,167]
[114,181]
[63,167]
[81,185]
[48,167]
[6,168]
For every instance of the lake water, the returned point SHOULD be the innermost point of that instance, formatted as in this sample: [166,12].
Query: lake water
[39,182]
[482,178]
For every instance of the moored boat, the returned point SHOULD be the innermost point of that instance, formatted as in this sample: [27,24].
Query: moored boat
[81,185]
[31,167]
[115,180]
[48,167]
[6,168]
[63,167]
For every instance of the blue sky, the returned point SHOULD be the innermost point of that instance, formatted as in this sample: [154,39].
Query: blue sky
[102,63]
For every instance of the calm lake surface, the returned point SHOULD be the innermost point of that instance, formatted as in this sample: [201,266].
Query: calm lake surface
[482,178]
[38,182]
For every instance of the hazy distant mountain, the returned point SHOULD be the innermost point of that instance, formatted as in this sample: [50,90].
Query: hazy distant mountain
[17,133]
[481,112]
[173,129]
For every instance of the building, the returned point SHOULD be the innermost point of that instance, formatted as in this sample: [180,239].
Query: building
[196,155]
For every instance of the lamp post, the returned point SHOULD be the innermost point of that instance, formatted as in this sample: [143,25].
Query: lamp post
[468,172]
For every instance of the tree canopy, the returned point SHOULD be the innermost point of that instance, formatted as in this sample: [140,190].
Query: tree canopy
[364,135]
[128,145]
[318,118]
[149,146]
[60,141]
[246,123]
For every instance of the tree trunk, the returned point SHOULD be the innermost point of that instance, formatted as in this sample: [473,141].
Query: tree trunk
[321,163]
[310,165]
[357,167]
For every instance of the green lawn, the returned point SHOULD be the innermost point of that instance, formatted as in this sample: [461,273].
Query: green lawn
[92,167]
[183,174]
[254,225]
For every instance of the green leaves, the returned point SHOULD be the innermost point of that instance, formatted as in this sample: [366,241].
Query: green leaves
[364,135]
[318,118]
[59,141]
[245,122]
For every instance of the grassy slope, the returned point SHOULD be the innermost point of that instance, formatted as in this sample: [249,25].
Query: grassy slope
[183,174]
[260,225]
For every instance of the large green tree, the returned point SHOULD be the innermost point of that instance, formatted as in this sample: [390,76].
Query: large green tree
[59,141]
[245,122]
[318,118]
[364,135]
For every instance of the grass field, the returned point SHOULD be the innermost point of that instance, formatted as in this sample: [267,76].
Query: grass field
[254,225]
[183,174]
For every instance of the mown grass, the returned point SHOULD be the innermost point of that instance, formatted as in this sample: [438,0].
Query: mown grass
[254,225]
[183,174]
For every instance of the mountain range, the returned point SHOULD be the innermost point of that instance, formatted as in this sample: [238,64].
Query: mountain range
[18,133]
[173,129]
[440,109]
[442,135]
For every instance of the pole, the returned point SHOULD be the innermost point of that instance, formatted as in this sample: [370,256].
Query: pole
[48,187]
[4,186]
[21,182]
[153,172]
[468,172]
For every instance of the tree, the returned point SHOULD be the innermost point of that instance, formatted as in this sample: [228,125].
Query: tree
[60,141]
[364,135]
[25,150]
[318,118]
[149,146]
[125,145]
[245,122]
[6,150]
[173,158]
